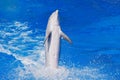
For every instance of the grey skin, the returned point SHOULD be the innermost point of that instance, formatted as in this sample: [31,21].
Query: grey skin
[52,41]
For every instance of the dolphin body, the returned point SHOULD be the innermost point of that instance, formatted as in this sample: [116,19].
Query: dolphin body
[52,41]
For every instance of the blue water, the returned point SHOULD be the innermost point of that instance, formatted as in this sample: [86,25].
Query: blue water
[92,25]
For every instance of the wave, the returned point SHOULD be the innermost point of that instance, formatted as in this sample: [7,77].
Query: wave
[26,45]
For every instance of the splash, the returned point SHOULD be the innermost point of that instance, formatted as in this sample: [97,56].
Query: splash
[26,45]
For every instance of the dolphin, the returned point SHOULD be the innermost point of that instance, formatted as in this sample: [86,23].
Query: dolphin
[52,41]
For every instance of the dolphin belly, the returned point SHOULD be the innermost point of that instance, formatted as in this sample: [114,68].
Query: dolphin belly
[53,54]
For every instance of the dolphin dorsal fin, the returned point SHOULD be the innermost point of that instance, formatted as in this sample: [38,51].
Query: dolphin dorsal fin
[65,37]
[47,36]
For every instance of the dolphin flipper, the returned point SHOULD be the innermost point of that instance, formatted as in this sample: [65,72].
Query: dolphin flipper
[65,37]
[47,35]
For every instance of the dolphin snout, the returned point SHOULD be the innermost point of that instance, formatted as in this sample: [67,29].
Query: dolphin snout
[56,11]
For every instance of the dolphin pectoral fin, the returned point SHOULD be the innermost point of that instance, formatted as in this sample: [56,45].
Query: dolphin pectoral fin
[65,37]
[47,35]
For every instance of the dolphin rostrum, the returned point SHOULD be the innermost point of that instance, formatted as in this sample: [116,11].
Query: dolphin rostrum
[52,41]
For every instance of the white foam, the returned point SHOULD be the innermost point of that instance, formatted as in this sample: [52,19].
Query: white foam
[3,50]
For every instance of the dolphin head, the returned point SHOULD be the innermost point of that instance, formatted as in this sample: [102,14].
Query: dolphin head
[55,15]
[53,20]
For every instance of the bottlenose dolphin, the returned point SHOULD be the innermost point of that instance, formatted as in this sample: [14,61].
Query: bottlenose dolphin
[52,41]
